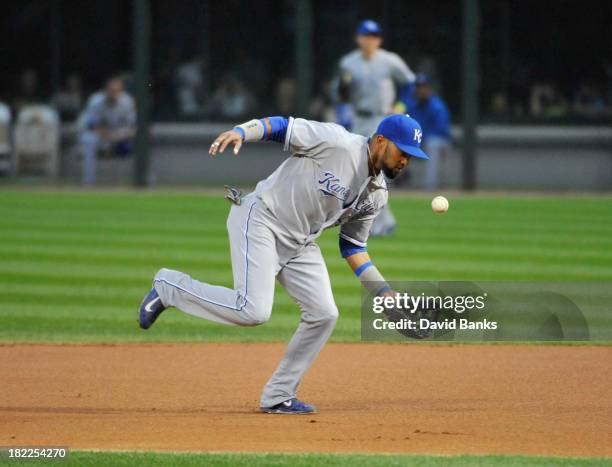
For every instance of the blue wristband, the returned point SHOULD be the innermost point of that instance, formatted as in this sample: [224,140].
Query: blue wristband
[362,268]
[241,131]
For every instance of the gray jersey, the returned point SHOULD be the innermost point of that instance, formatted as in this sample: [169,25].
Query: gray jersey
[373,80]
[112,117]
[325,183]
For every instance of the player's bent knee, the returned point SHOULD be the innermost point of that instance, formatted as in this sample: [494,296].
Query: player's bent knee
[332,314]
[326,314]
[89,139]
[163,273]
[329,316]
[257,313]
[256,320]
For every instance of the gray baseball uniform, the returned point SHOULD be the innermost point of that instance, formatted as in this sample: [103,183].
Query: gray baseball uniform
[272,235]
[372,88]
[372,94]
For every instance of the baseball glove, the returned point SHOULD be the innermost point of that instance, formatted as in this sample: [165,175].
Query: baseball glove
[233,195]
[399,315]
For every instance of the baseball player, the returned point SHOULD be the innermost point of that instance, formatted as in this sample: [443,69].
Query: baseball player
[422,103]
[332,178]
[368,80]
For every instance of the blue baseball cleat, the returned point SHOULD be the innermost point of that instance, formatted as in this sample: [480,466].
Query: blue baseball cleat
[150,308]
[291,407]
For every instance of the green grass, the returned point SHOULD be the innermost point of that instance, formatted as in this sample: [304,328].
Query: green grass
[105,459]
[75,265]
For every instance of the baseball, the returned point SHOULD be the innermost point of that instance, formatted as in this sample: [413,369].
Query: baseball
[439,204]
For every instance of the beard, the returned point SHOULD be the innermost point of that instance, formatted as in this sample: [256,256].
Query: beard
[389,172]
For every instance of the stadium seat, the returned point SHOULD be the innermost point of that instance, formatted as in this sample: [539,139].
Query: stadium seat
[37,137]
[5,138]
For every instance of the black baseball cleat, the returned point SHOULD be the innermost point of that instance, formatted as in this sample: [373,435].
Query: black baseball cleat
[150,308]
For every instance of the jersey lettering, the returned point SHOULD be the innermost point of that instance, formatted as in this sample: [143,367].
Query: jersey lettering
[330,185]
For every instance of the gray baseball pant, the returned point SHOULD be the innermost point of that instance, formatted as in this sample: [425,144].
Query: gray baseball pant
[261,252]
[435,148]
[90,143]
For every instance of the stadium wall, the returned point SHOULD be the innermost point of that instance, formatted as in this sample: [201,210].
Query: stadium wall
[509,157]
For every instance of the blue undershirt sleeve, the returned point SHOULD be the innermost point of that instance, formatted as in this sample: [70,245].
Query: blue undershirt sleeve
[348,249]
[278,129]
[405,93]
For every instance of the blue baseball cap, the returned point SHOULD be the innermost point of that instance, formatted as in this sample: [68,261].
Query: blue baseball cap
[405,132]
[422,78]
[369,27]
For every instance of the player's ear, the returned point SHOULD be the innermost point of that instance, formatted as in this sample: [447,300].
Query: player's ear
[382,141]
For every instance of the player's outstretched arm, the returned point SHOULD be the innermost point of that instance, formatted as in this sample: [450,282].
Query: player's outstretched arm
[269,128]
[359,261]
[372,280]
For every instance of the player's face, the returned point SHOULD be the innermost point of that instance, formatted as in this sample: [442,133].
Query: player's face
[114,88]
[369,44]
[394,160]
[423,91]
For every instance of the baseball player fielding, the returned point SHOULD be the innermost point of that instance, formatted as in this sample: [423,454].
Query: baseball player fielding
[332,178]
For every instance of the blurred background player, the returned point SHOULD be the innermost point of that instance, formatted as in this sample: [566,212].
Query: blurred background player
[426,107]
[366,92]
[108,123]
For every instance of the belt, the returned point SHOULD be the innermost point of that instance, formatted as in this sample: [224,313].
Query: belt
[364,113]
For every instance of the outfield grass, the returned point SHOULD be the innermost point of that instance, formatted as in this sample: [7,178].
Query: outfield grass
[105,459]
[75,265]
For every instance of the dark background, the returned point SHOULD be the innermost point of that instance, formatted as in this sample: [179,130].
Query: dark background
[567,44]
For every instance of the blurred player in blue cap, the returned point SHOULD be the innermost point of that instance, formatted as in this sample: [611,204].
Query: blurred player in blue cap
[366,91]
[421,103]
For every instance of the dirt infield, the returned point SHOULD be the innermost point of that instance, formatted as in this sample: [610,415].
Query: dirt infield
[546,400]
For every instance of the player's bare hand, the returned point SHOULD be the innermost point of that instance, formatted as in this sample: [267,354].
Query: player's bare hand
[224,140]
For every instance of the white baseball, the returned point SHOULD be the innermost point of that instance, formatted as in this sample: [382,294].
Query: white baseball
[439,204]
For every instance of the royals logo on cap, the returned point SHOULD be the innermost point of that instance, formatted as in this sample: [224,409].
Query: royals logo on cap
[405,132]
[418,135]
